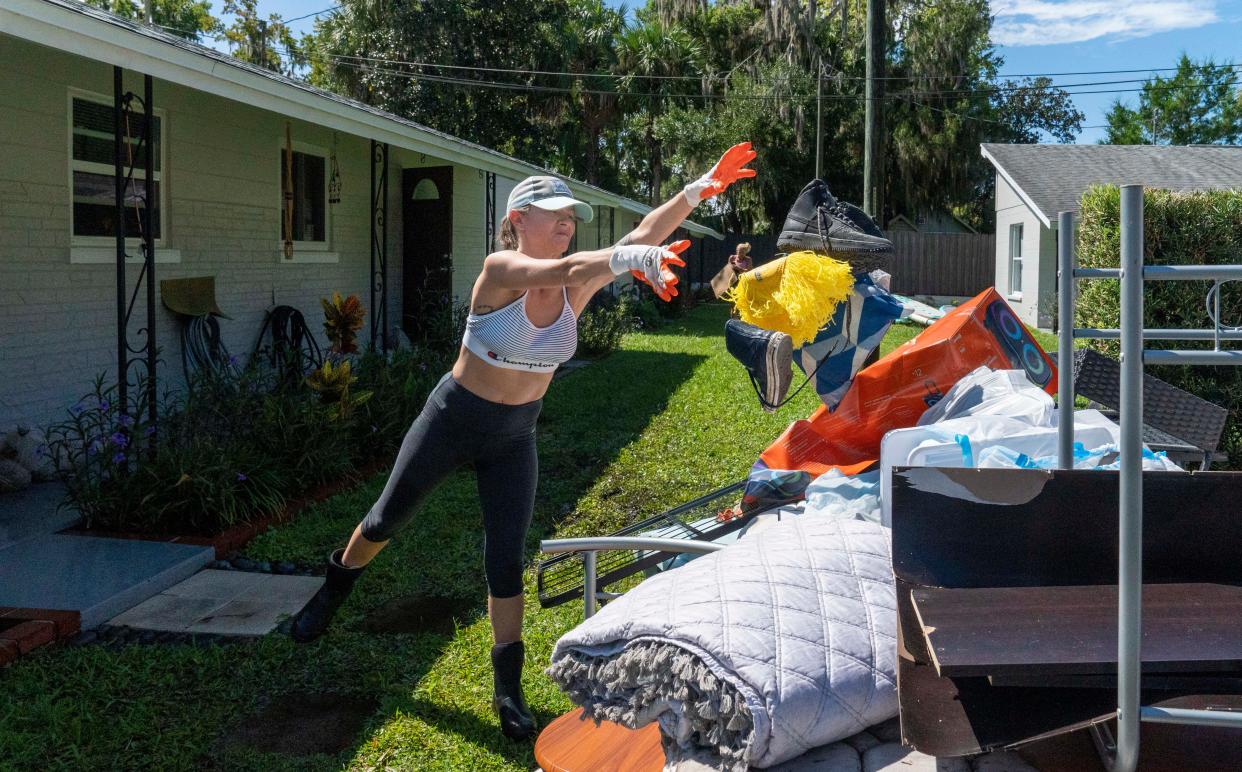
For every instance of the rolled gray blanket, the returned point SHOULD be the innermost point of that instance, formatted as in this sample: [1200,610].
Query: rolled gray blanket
[757,653]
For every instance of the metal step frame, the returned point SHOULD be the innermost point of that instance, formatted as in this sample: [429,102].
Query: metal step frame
[1122,755]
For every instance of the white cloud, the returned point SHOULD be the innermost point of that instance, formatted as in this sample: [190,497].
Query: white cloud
[1045,22]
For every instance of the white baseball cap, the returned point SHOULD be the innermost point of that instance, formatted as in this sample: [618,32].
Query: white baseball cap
[549,193]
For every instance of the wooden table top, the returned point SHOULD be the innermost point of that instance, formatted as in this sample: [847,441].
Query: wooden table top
[573,743]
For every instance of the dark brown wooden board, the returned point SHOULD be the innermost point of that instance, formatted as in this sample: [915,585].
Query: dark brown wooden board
[1015,527]
[965,716]
[996,631]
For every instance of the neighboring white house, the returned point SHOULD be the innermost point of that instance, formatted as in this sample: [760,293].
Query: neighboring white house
[222,132]
[934,221]
[1034,183]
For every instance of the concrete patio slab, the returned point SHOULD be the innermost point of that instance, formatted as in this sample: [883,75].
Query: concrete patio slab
[166,612]
[240,617]
[223,603]
[98,577]
[222,585]
[33,512]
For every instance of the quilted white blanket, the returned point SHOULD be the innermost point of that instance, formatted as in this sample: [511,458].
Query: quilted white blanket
[782,642]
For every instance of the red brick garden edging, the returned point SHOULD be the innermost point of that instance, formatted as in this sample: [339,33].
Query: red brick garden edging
[238,536]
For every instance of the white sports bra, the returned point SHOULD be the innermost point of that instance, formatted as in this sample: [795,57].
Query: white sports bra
[507,338]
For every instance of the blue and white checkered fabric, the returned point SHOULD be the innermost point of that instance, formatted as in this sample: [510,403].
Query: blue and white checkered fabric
[843,344]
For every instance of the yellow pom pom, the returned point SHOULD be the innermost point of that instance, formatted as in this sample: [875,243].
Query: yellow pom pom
[796,294]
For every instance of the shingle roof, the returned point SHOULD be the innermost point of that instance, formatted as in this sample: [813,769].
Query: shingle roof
[485,157]
[1053,177]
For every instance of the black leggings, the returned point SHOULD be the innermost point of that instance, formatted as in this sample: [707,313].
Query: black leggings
[457,427]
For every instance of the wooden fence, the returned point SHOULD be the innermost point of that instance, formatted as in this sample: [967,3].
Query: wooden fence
[960,264]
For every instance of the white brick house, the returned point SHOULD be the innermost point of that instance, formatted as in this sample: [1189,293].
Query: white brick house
[221,148]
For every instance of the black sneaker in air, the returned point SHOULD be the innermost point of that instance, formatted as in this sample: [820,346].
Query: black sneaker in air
[767,356]
[820,223]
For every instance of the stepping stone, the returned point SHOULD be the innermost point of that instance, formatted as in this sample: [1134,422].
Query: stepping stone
[895,757]
[861,742]
[98,577]
[888,731]
[223,603]
[1002,761]
[835,757]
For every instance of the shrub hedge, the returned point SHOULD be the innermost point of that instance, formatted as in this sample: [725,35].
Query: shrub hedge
[1191,228]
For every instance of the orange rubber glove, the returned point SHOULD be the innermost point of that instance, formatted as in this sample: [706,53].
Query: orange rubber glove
[727,171]
[651,265]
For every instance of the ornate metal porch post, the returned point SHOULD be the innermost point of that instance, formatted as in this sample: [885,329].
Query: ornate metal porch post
[379,243]
[123,171]
[490,211]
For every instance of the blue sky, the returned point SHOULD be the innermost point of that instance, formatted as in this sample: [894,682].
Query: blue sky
[1047,36]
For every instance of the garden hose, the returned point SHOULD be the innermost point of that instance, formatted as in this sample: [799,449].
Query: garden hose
[202,350]
[290,333]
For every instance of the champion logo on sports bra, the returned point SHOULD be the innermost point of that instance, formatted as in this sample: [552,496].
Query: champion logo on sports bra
[507,338]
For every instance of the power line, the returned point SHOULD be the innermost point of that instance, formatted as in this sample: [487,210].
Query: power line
[724,75]
[839,96]
[562,89]
[721,76]
[345,61]
[307,16]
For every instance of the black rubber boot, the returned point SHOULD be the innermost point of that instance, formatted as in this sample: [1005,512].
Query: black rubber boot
[768,357]
[516,720]
[313,620]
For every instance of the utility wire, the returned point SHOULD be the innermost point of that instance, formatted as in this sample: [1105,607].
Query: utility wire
[839,96]
[307,16]
[724,75]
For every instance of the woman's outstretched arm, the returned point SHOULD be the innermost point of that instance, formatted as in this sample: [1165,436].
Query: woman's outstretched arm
[660,222]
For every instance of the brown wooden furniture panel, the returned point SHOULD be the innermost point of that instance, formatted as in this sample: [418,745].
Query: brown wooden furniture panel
[996,631]
[1002,528]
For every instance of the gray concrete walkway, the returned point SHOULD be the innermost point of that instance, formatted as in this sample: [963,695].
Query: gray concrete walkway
[98,577]
[223,603]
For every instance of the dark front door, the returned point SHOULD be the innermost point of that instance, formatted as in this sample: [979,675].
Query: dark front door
[427,246]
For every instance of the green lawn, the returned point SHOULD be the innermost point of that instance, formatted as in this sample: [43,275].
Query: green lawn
[667,417]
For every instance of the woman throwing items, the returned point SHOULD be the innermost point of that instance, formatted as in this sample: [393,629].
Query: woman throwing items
[522,324]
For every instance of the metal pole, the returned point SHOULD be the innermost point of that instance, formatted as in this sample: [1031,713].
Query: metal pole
[873,151]
[148,233]
[1130,516]
[819,118]
[588,594]
[371,275]
[384,248]
[122,364]
[1065,345]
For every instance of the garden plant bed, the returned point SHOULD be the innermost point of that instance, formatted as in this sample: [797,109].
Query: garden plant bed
[230,541]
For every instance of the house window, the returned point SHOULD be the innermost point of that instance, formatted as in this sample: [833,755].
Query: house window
[92,171]
[1015,259]
[310,198]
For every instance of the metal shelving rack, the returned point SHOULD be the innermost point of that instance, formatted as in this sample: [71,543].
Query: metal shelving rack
[1132,273]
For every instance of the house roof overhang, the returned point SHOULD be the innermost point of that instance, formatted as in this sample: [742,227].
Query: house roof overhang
[88,32]
[1026,199]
